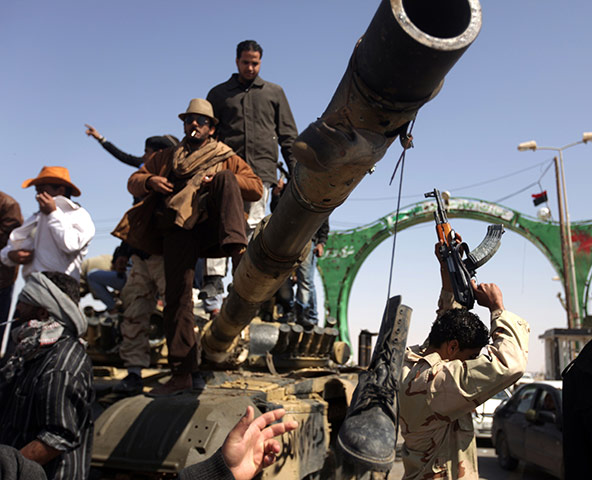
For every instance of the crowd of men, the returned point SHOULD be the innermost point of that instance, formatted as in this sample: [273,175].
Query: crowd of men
[196,198]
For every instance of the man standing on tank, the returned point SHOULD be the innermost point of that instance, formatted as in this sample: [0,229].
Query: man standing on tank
[254,118]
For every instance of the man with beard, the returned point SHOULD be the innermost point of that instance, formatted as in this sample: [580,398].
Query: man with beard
[46,384]
[192,207]
[255,118]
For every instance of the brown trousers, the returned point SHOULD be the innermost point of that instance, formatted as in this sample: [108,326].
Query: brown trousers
[223,228]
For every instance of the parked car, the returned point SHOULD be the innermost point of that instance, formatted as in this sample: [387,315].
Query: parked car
[483,414]
[528,427]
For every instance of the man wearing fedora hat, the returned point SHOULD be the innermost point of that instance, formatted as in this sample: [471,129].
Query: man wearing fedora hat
[192,207]
[56,238]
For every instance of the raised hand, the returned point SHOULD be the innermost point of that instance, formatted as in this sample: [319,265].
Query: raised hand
[250,446]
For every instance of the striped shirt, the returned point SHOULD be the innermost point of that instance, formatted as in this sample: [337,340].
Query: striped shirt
[51,402]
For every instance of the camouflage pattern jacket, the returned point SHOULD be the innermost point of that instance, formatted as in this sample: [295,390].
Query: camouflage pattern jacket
[437,397]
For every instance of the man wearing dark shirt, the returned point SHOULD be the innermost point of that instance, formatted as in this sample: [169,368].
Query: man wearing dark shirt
[254,118]
[46,384]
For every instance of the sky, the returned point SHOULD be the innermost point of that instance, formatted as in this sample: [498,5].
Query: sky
[130,67]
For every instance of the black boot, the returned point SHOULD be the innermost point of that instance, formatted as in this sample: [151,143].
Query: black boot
[368,434]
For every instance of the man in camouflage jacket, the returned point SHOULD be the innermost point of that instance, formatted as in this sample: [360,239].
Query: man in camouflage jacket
[446,378]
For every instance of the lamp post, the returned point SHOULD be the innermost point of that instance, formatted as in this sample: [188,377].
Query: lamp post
[569,272]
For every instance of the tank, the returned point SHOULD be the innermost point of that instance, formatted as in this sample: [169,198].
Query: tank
[397,66]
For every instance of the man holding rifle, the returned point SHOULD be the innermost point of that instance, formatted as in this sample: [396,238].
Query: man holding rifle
[444,379]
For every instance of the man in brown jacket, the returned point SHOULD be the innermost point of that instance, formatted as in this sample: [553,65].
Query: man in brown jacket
[10,218]
[192,207]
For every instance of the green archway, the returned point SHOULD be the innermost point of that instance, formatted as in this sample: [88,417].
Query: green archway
[346,250]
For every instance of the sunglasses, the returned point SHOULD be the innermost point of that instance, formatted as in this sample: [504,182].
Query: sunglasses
[200,119]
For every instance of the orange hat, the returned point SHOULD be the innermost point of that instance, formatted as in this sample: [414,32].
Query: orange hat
[56,175]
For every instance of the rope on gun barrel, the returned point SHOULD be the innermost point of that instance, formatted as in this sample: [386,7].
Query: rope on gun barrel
[401,162]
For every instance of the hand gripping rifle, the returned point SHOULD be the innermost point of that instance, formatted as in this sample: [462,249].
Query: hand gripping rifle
[461,271]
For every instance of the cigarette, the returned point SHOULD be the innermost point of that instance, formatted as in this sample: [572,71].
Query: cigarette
[193,133]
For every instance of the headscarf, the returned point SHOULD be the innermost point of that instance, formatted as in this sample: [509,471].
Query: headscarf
[65,318]
[40,291]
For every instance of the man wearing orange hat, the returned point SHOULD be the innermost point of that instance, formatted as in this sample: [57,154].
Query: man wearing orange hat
[56,238]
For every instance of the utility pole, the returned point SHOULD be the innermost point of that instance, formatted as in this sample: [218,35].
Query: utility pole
[572,302]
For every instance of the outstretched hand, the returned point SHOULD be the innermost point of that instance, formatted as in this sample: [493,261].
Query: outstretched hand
[250,446]
[92,131]
[488,295]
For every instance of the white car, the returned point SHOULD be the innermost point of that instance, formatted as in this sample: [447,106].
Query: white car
[483,414]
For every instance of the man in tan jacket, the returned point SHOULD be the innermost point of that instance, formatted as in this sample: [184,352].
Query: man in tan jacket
[444,379]
[192,207]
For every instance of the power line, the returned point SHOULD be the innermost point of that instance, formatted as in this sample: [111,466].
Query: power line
[456,189]
[538,182]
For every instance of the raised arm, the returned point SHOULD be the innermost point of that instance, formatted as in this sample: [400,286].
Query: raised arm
[459,386]
[126,158]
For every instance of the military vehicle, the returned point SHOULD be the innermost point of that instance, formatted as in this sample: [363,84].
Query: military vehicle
[397,66]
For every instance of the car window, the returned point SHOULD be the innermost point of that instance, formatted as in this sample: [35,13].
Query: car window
[525,399]
[503,395]
[546,402]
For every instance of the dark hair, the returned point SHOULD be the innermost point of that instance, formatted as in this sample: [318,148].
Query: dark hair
[248,46]
[66,284]
[461,325]
[157,143]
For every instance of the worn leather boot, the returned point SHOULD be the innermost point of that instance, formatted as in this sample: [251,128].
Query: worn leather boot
[368,434]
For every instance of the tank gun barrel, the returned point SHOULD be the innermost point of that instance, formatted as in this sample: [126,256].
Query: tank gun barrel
[396,67]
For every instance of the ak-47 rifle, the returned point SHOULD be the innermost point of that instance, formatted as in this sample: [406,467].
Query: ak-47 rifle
[461,271]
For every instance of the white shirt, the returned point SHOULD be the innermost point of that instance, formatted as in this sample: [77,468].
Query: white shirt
[59,240]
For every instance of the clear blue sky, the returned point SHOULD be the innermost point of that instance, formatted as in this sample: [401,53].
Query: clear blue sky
[129,68]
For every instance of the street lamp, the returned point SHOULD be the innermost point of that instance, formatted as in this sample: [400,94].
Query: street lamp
[569,271]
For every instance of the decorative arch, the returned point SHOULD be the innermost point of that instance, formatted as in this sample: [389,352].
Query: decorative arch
[346,250]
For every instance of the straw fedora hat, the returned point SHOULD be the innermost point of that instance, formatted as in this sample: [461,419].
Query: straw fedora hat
[200,107]
[55,175]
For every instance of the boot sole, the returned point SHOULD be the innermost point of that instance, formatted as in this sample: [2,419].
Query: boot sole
[372,464]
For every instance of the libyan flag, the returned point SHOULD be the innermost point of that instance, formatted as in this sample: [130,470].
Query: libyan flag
[538,198]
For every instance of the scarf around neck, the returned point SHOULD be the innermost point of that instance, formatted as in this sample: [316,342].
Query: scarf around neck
[193,165]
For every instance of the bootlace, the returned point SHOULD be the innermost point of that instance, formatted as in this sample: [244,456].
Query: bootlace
[381,393]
